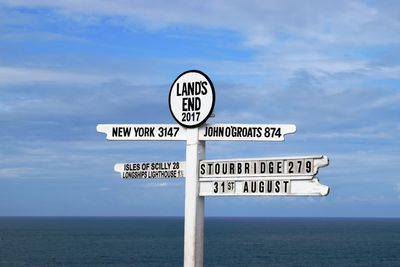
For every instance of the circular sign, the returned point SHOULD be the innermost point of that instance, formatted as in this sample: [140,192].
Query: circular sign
[192,98]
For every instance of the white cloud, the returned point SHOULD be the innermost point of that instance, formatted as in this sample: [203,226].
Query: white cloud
[397,188]
[287,36]
[105,189]
[15,75]
[385,101]
[376,131]
[16,172]
[152,185]
[325,22]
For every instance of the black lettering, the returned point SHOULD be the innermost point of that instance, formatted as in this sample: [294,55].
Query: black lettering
[231,168]
[216,168]
[202,169]
[198,88]
[239,168]
[215,187]
[299,164]
[184,89]
[245,188]
[191,88]
[277,184]
[239,132]
[197,104]
[259,132]
[269,186]
[261,187]
[224,168]
[253,186]
[204,87]
[279,166]
[262,167]
[191,103]
[271,167]
[230,186]
[308,166]
[286,186]
[247,168]
[177,90]
[115,131]
[126,131]
[185,104]
[151,131]
[138,131]
[209,168]
[290,165]
[206,132]
[220,131]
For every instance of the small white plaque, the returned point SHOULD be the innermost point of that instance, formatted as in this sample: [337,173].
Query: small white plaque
[266,187]
[151,170]
[298,168]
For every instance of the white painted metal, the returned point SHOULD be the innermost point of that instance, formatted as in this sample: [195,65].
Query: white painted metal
[246,132]
[192,98]
[219,132]
[143,132]
[266,187]
[297,167]
[308,188]
[150,170]
[194,204]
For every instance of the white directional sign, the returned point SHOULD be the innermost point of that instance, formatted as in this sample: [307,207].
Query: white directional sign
[131,132]
[266,187]
[246,132]
[192,98]
[215,132]
[299,168]
[150,170]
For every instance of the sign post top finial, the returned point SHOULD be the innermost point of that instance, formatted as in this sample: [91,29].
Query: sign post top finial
[192,98]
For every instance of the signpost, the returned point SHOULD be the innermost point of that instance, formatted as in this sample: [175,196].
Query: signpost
[150,170]
[191,102]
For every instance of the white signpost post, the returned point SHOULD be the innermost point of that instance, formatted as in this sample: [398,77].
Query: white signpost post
[191,102]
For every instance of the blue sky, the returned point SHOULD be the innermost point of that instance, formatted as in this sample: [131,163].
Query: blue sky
[330,67]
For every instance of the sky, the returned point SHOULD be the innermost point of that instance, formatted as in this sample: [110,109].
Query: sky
[332,68]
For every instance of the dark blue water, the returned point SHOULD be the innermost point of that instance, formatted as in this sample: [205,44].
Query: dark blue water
[228,242]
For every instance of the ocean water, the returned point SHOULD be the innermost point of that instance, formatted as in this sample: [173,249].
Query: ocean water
[102,241]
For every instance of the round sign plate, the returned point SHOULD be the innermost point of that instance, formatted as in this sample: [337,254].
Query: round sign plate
[192,98]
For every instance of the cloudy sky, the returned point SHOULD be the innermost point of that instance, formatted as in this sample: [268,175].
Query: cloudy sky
[330,67]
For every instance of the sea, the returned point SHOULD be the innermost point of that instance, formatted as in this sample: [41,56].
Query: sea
[158,241]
